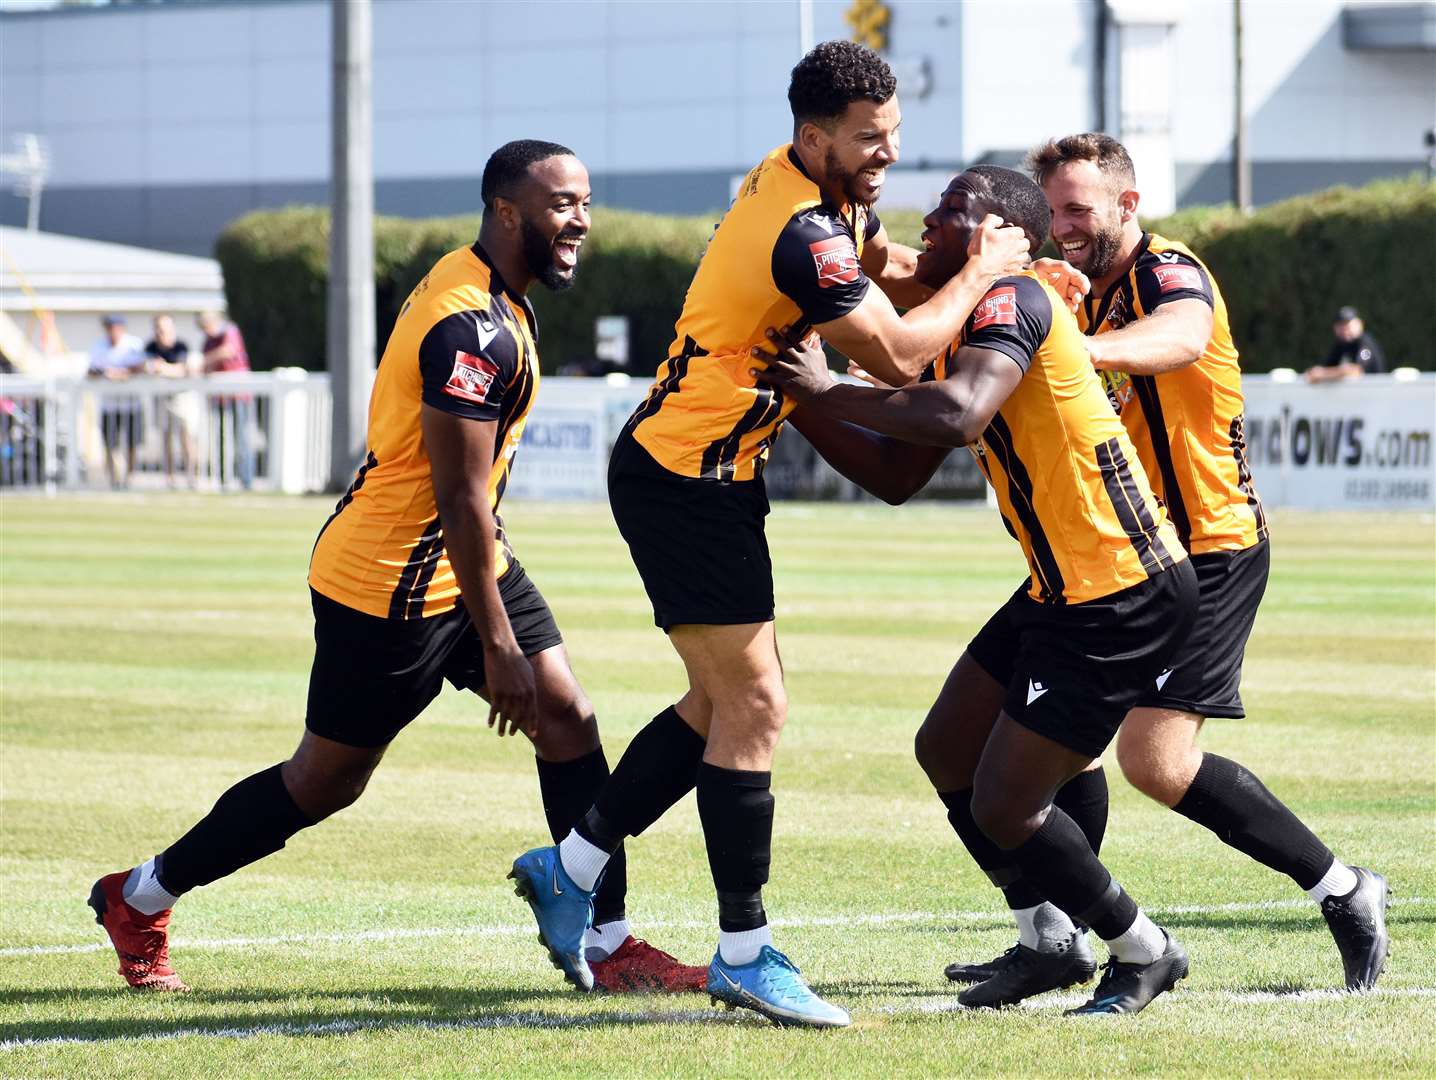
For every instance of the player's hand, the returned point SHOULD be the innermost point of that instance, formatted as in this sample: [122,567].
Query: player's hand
[509,683]
[998,249]
[799,367]
[1071,284]
[863,375]
[1094,351]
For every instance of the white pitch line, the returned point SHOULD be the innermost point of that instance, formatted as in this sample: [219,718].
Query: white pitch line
[524,929]
[549,1021]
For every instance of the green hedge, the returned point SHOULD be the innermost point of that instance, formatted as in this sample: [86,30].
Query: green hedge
[1286,268]
[1283,269]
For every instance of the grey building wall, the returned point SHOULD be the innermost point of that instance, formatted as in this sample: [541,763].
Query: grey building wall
[167,121]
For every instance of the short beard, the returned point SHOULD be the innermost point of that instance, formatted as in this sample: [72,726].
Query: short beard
[538,257]
[1106,246]
[847,182]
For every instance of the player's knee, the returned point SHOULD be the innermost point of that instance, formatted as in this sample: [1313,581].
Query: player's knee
[1144,768]
[927,748]
[568,730]
[1002,820]
[320,791]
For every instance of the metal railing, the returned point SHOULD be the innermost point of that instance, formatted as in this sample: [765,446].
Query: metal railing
[266,431]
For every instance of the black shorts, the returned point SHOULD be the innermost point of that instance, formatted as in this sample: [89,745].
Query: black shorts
[1205,675]
[698,544]
[1072,671]
[371,676]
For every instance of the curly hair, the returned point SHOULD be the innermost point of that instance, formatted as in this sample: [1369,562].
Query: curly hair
[833,76]
[510,163]
[1110,157]
[1018,200]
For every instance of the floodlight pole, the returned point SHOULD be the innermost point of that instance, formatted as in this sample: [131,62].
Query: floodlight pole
[805,27]
[351,235]
[1241,163]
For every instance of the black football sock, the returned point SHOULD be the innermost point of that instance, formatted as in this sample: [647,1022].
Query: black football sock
[251,820]
[1059,862]
[1230,801]
[569,789]
[659,767]
[1084,800]
[991,859]
[736,808]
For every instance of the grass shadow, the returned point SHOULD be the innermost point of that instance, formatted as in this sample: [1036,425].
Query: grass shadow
[385,1007]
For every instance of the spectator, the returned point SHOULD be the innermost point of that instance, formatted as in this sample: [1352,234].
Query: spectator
[1353,354]
[115,357]
[169,357]
[224,352]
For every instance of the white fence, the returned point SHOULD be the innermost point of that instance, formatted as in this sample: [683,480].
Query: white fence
[1358,445]
[267,431]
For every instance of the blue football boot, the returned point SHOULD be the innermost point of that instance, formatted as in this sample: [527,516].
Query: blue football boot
[771,985]
[562,910]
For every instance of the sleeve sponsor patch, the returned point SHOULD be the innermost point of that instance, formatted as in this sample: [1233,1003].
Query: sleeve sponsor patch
[836,260]
[997,308]
[471,378]
[1172,278]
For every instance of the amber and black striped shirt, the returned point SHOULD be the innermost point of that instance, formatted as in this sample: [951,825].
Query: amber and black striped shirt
[463,343]
[1187,425]
[1067,479]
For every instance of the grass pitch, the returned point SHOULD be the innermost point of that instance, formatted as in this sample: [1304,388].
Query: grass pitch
[155,650]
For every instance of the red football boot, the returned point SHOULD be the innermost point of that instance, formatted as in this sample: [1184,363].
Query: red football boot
[142,941]
[636,967]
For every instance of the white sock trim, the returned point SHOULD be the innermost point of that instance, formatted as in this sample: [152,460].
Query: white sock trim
[742,946]
[600,942]
[143,891]
[1044,927]
[1142,943]
[581,860]
[1338,881]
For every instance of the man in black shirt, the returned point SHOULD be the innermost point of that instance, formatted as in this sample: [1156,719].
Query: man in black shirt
[1353,354]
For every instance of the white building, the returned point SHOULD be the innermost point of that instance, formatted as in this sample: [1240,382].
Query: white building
[166,120]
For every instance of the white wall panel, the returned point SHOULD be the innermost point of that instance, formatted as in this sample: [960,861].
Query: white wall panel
[409,85]
[188,152]
[452,144]
[665,137]
[84,97]
[587,131]
[87,39]
[291,89]
[197,92]
[702,70]
[438,28]
[294,29]
[21,109]
[222,35]
[680,25]
[297,150]
[21,48]
[548,25]
[108,154]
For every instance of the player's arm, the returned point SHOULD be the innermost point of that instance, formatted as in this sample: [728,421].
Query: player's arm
[892,470]
[952,412]
[893,267]
[895,348]
[1178,298]
[1011,323]
[459,419]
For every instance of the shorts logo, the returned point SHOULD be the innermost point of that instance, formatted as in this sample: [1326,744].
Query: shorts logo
[836,261]
[1035,690]
[998,308]
[1163,677]
[471,378]
[1171,278]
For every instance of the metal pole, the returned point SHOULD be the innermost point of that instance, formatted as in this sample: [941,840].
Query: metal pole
[805,27]
[351,235]
[1241,165]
